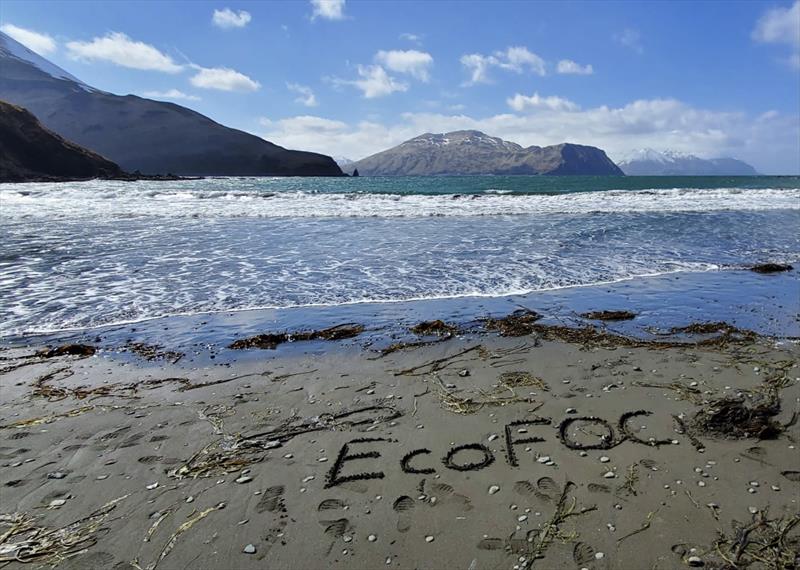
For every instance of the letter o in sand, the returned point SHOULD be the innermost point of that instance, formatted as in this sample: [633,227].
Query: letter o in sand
[449,459]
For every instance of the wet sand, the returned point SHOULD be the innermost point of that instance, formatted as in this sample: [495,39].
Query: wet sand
[477,452]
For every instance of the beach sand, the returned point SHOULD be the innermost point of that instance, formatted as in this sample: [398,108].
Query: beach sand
[479,451]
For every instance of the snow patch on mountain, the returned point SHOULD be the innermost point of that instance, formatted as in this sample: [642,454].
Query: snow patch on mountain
[11,47]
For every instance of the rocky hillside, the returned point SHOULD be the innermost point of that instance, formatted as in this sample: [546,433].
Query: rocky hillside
[473,152]
[649,162]
[140,134]
[29,151]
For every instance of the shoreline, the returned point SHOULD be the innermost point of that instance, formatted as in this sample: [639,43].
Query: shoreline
[530,440]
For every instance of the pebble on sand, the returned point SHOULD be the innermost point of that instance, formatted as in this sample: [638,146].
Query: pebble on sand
[493,489]
[249,549]
[244,479]
[429,538]
[372,538]
[152,486]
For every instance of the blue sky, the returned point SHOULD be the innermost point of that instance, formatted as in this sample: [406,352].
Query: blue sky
[352,78]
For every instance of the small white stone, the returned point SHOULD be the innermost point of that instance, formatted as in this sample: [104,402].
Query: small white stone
[522,518]
[152,486]
[249,549]
[609,475]
[429,538]
[244,479]
[288,456]
[372,538]
[751,490]
[388,561]
[599,555]
[701,483]
[347,538]
[753,510]
[322,459]
[775,488]
[544,459]
[695,561]
[55,503]
[604,459]
[754,483]
[493,489]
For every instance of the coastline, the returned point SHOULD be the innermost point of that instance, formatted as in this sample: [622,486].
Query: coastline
[240,458]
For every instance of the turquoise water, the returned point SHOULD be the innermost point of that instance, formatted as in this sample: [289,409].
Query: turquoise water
[97,253]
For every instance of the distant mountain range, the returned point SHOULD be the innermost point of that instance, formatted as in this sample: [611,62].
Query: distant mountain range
[474,152]
[140,134]
[649,162]
[28,151]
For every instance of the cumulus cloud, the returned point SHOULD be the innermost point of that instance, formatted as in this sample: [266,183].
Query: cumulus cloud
[173,94]
[119,49]
[373,82]
[305,94]
[567,67]
[521,103]
[42,44]
[327,9]
[412,62]
[516,58]
[781,26]
[223,79]
[770,141]
[228,19]
[631,39]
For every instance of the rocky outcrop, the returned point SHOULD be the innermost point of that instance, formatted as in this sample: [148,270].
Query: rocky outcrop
[30,152]
[141,134]
[473,153]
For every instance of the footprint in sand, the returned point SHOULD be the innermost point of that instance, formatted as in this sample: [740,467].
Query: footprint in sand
[334,529]
[272,502]
[402,506]
[446,494]
[583,554]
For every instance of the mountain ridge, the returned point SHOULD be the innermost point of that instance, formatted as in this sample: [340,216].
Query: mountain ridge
[142,134]
[650,162]
[472,152]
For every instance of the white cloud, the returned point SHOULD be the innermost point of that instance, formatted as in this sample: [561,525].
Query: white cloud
[117,48]
[521,102]
[779,25]
[306,94]
[414,38]
[171,94]
[631,39]
[42,44]
[414,63]
[567,66]
[223,79]
[327,9]
[228,19]
[374,82]
[516,58]
[771,142]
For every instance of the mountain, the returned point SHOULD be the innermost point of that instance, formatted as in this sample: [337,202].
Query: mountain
[649,162]
[141,134]
[473,152]
[28,151]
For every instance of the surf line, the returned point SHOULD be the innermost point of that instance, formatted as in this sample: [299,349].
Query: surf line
[477,456]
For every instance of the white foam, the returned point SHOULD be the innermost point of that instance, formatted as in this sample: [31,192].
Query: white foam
[263,198]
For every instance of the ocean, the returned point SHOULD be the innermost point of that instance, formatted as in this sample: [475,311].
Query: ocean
[99,253]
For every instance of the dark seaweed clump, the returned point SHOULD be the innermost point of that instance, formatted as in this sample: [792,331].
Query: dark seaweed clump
[771,268]
[609,315]
[732,418]
[272,340]
[519,323]
[434,328]
[68,350]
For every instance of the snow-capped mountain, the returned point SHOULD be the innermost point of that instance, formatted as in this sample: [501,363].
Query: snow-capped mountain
[474,152]
[649,162]
[10,48]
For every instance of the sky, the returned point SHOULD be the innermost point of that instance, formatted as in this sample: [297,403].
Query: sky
[350,78]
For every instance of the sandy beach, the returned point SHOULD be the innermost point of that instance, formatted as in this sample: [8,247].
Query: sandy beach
[514,444]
